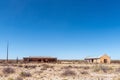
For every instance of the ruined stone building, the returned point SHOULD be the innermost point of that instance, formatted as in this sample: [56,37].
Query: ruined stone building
[39,59]
[102,59]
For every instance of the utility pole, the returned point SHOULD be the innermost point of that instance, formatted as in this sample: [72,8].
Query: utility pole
[17,60]
[7,51]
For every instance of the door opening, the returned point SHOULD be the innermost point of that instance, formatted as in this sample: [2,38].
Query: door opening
[105,60]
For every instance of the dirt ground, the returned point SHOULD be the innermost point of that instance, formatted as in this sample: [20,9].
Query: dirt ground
[59,71]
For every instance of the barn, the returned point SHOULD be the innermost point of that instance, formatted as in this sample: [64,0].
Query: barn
[40,59]
[102,59]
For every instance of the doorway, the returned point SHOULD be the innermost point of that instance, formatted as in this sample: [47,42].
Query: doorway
[92,60]
[105,60]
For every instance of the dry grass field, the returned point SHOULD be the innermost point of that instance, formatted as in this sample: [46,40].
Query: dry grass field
[59,71]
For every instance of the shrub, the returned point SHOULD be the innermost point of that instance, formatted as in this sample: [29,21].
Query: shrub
[10,79]
[30,66]
[67,67]
[20,65]
[45,66]
[8,70]
[68,72]
[26,66]
[105,69]
[84,67]
[38,72]
[118,70]
[102,68]
[84,72]
[25,74]
[19,78]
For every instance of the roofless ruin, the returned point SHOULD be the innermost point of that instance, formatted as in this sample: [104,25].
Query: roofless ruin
[40,59]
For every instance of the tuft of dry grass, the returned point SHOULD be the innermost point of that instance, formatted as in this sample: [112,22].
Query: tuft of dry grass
[102,68]
[18,78]
[84,72]
[25,74]
[10,79]
[118,70]
[67,67]
[68,72]
[84,67]
[20,65]
[46,66]
[8,70]
[30,66]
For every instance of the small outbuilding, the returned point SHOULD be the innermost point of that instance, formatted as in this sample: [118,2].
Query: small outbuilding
[102,59]
[40,59]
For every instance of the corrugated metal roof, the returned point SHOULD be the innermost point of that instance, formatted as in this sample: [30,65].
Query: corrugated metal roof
[96,57]
[92,58]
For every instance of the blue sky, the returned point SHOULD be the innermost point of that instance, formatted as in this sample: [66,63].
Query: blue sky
[67,29]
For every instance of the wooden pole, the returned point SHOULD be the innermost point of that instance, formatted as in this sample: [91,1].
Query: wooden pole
[7,50]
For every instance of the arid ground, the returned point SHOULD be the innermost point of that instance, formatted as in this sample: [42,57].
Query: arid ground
[59,71]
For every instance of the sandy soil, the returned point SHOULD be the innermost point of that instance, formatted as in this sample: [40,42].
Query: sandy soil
[63,71]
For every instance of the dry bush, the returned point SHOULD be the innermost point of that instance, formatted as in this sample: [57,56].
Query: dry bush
[4,64]
[100,78]
[102,68]
[30,66]
[81,61]
[20,65]
[68,72]
[39,65]
[46,66]
[105,68]
[19,78]
[84,67]
[43,68]
[84,72]
[38,72]
[14,65]
[64,79]
[8,70]
[96,68]
[118,70]
[25,74]
[10,79]
[67,67]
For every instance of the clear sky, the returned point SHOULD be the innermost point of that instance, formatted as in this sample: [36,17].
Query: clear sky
[67,29]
